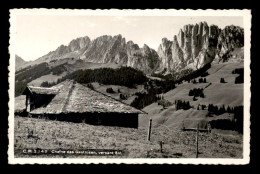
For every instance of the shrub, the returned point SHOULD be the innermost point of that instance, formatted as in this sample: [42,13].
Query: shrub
[222,80]
[89,85]
[123,97]
[110,90]
[191,93]
[124,76]
[164,103]
[47,84]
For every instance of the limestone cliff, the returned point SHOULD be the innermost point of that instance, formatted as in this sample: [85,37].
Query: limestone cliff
[199,44]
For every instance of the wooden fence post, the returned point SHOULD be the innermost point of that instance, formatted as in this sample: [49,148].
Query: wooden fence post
[209,128]
[161,146]
[149,130]
[197,141]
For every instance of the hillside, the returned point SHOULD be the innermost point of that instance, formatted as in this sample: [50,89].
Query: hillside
[218,94]
[31,133]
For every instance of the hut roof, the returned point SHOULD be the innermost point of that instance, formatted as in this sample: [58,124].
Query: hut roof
[41,90]
[76,98]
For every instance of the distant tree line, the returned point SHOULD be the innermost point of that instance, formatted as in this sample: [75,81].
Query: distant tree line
[234,124]
[218,110]
[124,76]
[221,110]
[164,86]
[195,74]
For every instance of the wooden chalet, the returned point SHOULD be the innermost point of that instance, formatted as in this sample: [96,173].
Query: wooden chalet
[71,101]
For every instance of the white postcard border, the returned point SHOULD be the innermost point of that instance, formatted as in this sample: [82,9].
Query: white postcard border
[246,14]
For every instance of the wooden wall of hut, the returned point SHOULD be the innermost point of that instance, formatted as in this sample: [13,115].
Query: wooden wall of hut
[39,100]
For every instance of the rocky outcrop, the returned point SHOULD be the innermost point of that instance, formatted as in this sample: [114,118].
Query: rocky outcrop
[231,37]
[106,49]
[165,54]
[145,59]
[197,45]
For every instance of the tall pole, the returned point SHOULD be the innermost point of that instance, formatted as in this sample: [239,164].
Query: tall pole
[149,131]
[197,141]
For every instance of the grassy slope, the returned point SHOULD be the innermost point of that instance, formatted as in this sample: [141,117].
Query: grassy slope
[49,78]
[217,93]
[123,89]
[56,135]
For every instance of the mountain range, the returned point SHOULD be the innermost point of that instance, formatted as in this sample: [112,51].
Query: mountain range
[193,47]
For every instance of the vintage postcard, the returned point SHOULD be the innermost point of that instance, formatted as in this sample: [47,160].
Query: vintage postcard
[129,86]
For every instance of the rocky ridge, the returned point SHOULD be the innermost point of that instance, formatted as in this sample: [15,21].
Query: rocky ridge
[108,49]
[193,47]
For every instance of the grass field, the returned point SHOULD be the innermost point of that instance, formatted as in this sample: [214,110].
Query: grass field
[45,134]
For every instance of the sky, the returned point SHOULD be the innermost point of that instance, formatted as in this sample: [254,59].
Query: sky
[38,35]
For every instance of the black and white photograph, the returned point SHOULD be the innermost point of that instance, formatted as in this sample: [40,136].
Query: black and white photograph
[129,86]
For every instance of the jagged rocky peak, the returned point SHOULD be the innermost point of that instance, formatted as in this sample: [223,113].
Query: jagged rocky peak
[165,54]
[146,49]
[132,45]
[79,43]
[196,45]
[61,50]
[166,44]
